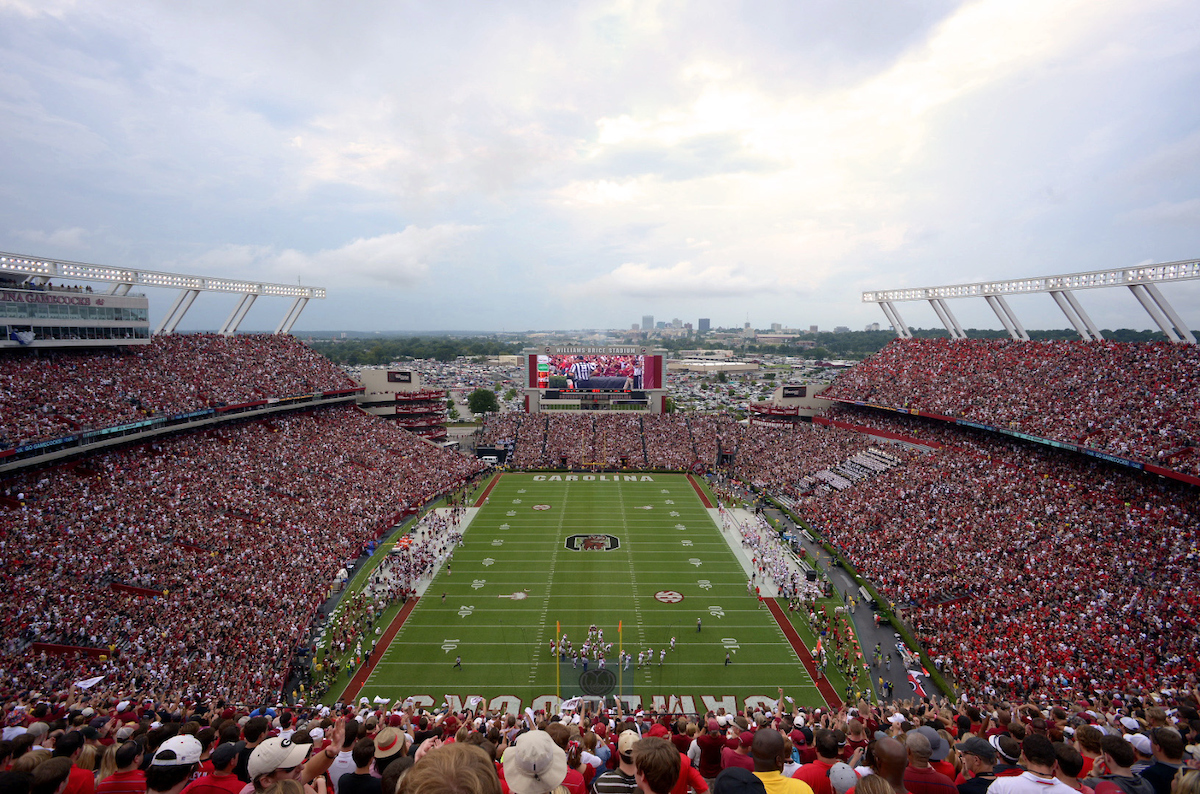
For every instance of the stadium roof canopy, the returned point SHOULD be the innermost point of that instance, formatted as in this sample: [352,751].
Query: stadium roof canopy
[1141,280]
[39,270]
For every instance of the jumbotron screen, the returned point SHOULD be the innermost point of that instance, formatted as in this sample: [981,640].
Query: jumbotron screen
[595,371]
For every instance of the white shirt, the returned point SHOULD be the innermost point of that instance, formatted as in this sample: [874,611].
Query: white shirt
[1029,783]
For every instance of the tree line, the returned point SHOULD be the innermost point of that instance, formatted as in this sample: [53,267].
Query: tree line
[356,352]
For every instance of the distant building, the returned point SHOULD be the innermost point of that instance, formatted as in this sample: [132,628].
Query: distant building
[660,324]
[841,329]
[812,329]
[776,327]
[676,323]
[872,327]
[636,327]
[705,325]
[647,322]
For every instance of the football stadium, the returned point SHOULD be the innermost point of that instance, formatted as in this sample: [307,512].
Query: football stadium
[920,551]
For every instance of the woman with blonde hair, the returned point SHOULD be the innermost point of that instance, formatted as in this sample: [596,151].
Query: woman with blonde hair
[108,763]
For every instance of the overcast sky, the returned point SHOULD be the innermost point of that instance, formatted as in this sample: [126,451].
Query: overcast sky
[520,165]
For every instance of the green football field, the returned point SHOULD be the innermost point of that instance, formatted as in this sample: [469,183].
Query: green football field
[556,553]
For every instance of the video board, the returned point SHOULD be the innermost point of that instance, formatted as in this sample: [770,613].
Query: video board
[595,369]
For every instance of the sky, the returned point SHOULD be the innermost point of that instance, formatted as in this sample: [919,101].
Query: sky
[526,165]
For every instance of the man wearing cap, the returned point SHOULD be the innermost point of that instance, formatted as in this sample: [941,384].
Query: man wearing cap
[739,755]
[1167,745]
[816,773]
[766,749]
[978,759]
[1145,753]
[278,759]
[223,779]
[920,777]
[1008,753]
[534,764]
[1040,762]
[129,777]
[620,780]
[173,764]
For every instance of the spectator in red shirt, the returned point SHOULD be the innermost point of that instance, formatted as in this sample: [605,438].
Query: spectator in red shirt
[920,777]
[129,777]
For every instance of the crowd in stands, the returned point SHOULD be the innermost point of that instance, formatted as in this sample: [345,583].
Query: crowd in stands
[1132,399]
[50,393]
[109,743]
[668,442]
[1024,568]
[202,558]
[775,457]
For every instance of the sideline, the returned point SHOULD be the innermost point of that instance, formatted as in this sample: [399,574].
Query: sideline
[356,683]
[822,683]
[482,500]
[700,492]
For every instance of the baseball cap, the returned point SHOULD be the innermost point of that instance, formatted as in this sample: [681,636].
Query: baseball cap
[181,750]
[275,753]
[842,777]
[625,742]
[977,746]
[713,725]
[226,753]
[1140,742]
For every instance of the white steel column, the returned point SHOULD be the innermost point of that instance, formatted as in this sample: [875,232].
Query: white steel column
[289,319]
[1139,292]
[183,302]
[1067,310]
[1169,310]
[1016,321]
[296,315]
[1000,315]
[1087,321]
[239,312]
[941,313]
[953,320]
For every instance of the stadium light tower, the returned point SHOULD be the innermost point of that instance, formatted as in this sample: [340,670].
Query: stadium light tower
[1142,281]
[39,270]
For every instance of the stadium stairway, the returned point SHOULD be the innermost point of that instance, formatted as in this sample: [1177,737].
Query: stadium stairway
[642,432]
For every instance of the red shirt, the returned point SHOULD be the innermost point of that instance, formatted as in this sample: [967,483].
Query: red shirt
[214,784]
[816,775]
[688,776]
[133,782]
[80,781]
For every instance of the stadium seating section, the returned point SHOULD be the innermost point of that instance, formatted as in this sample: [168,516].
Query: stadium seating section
[202,557]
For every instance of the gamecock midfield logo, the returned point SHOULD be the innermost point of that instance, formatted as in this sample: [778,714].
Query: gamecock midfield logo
[593,542]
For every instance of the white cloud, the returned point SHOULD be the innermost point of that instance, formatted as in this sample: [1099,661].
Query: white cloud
[1176,213]
[686,279]
[401,259]
[73,238]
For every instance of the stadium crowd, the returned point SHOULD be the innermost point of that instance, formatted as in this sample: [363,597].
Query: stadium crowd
[1132,399]
[1024,568]
[50,393]
[202,558]
[94,741]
